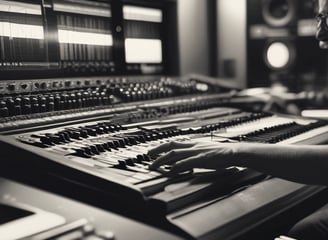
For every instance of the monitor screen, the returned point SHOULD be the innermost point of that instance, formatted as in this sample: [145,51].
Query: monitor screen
[22,38]
[60,38]
[85,35]
[143,37]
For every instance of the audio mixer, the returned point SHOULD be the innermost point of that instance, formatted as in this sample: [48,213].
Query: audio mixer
[99,136]
[87,88]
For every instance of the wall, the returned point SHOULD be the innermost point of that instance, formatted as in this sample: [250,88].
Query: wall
[231,30]
[193,37]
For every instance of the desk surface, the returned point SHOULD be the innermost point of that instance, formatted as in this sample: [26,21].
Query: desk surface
[122,227]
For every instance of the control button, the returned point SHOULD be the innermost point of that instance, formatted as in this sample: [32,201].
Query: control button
[24,86]
[68,84]
[88,229]
[55,84]
[11,87]
[44,85]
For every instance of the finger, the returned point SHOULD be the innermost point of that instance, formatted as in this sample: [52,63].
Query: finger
[179,154]
[207,159]
[172,157]
[197,161]
[166,147]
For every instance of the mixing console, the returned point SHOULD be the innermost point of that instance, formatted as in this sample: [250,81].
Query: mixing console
[60,99]
[75,121]
[106,147]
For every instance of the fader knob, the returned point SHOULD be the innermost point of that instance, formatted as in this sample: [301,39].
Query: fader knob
[64,101]
[3,104]
[51,103]
[46,140]
[26,105]
[26,101]
[78,97]
[84,133]
[18,101]
[35,105]
[11,106]
[75,135]
[42,104]
[74,100]
[92,132]
[3,109]
[17,107]
[58,105]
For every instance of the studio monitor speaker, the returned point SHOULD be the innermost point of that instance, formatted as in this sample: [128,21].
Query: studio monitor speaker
[281,45]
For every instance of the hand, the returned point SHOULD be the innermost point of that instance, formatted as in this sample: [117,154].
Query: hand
[188,155]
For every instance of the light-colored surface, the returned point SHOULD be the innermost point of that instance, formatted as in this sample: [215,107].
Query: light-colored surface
[284,238]
[139,50]
[193,36]
[318,113]
[231,22]
[23,227]
[122,227]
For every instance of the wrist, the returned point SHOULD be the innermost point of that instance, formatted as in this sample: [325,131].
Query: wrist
[241,154]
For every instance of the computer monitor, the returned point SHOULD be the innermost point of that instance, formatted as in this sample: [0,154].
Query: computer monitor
[66,38]
[22,36]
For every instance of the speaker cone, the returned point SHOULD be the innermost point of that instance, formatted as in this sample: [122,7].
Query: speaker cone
[279,55]
[278,13]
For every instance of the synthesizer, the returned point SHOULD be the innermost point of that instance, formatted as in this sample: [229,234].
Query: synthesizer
[104,144]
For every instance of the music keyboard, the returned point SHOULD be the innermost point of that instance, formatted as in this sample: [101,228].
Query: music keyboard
[313,137]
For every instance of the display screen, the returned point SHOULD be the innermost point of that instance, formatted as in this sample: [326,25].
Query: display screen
[22,40]
[8,213]
[59,38]
[85,34]
[143,37]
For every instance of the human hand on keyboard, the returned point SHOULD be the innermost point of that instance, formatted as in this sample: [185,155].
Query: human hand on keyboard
[188,155]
